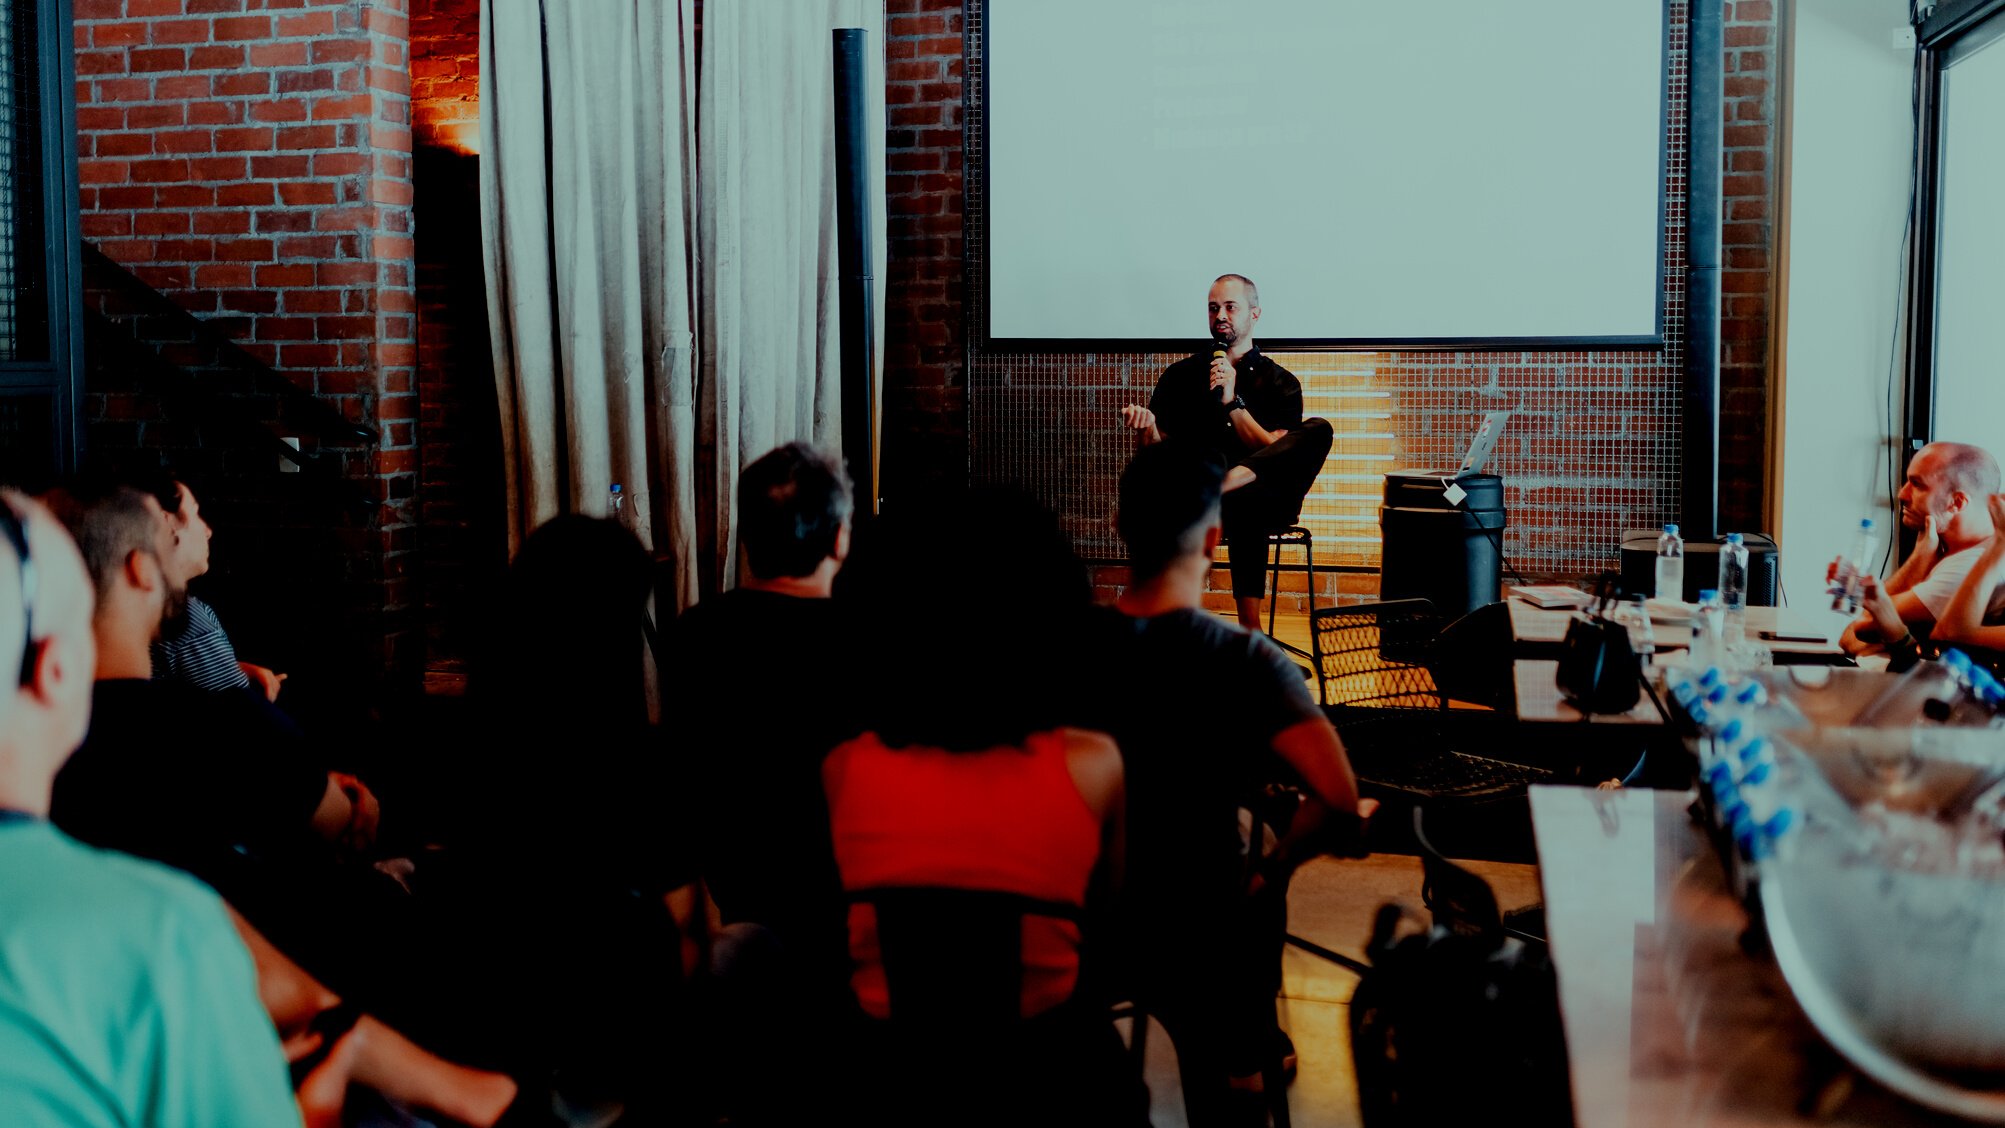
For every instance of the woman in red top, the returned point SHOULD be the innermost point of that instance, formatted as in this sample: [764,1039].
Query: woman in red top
[966,784]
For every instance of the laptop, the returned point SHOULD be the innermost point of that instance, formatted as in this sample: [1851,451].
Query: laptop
[1484,442]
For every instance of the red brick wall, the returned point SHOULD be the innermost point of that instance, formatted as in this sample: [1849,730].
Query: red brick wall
[1747,241]
[250,162]
[445,74]
[925,357]
[461,493]
[1595,448]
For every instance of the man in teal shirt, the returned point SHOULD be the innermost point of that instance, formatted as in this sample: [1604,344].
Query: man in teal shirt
[126,996]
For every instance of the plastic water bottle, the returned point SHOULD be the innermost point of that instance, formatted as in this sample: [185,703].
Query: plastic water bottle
[1709,631]
[616,506]
[1960,699]
[1671,565]
[1850,578]
[1733,588]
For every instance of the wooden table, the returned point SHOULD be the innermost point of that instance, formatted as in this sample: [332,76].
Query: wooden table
[1538,631]
[1668,1021]
[1539,700]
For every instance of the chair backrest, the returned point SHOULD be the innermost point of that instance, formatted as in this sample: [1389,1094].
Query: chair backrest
[1473,658]
[954,957]
[1378,655]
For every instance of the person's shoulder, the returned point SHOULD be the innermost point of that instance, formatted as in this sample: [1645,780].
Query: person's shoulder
[1095,763]
[1185,366]
[64,887]
[1962,559]
[1279,374]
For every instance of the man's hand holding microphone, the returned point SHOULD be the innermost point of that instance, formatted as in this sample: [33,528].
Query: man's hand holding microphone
[1224,377]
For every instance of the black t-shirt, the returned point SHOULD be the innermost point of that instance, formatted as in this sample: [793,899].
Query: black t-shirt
[176,773]
[1187,409]
[1194,703]
[774,676]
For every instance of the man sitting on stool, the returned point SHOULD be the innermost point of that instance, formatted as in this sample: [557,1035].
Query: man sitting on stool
[1236,403]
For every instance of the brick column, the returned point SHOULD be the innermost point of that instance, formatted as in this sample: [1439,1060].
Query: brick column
[1746,241]
[252,165]
[925,358]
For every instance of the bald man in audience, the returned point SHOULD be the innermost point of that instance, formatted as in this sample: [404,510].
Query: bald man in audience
[125,995]
[1944,501]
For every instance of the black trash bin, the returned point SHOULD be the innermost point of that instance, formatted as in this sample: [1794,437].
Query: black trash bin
[1449,554]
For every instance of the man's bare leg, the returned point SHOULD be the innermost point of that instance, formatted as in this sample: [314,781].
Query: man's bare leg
[1249,611]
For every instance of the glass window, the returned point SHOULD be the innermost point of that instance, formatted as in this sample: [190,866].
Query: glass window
[24,314]
[1970,242]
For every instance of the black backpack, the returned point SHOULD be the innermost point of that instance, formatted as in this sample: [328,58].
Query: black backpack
[1461,1022]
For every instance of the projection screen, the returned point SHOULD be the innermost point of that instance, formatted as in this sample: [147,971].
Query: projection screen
[1464,173]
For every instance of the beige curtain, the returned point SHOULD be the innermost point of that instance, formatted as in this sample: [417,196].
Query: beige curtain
[587,201]
[661,261]
[768,315]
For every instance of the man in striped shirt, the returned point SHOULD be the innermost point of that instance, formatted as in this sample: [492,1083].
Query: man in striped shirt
[193,647]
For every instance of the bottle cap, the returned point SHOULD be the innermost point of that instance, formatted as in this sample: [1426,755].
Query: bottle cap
[1671,529]
[1780,822]
[1731,731]
[1955,659]
[1710,678]
[1758,774]
[1708,593]
[616,487]
[1753,750]
[1753,693]
[1865,522]
[1733,538]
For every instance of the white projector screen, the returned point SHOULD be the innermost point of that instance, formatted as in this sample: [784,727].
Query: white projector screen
[1467,172]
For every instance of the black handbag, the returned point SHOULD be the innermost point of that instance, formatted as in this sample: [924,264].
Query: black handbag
[1597,666]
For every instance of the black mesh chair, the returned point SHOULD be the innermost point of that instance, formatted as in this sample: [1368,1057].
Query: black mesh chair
[953,973]
[1382,670]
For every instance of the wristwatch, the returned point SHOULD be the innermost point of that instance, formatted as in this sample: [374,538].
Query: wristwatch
[1237,404]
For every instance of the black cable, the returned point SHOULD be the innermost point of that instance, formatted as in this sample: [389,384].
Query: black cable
[1498,540]
[1897,463]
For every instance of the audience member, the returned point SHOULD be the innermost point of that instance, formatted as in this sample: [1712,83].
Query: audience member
[967,780]
[757,687]
[1207,714]
[1943,502]
[252,783]
[770,659]
[193,646]
[581,907]
[1975,616]
[220,784]
[125,997]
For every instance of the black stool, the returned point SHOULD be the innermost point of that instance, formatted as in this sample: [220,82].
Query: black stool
[1293,534]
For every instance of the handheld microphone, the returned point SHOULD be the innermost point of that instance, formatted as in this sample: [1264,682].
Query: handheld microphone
[1218,350]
